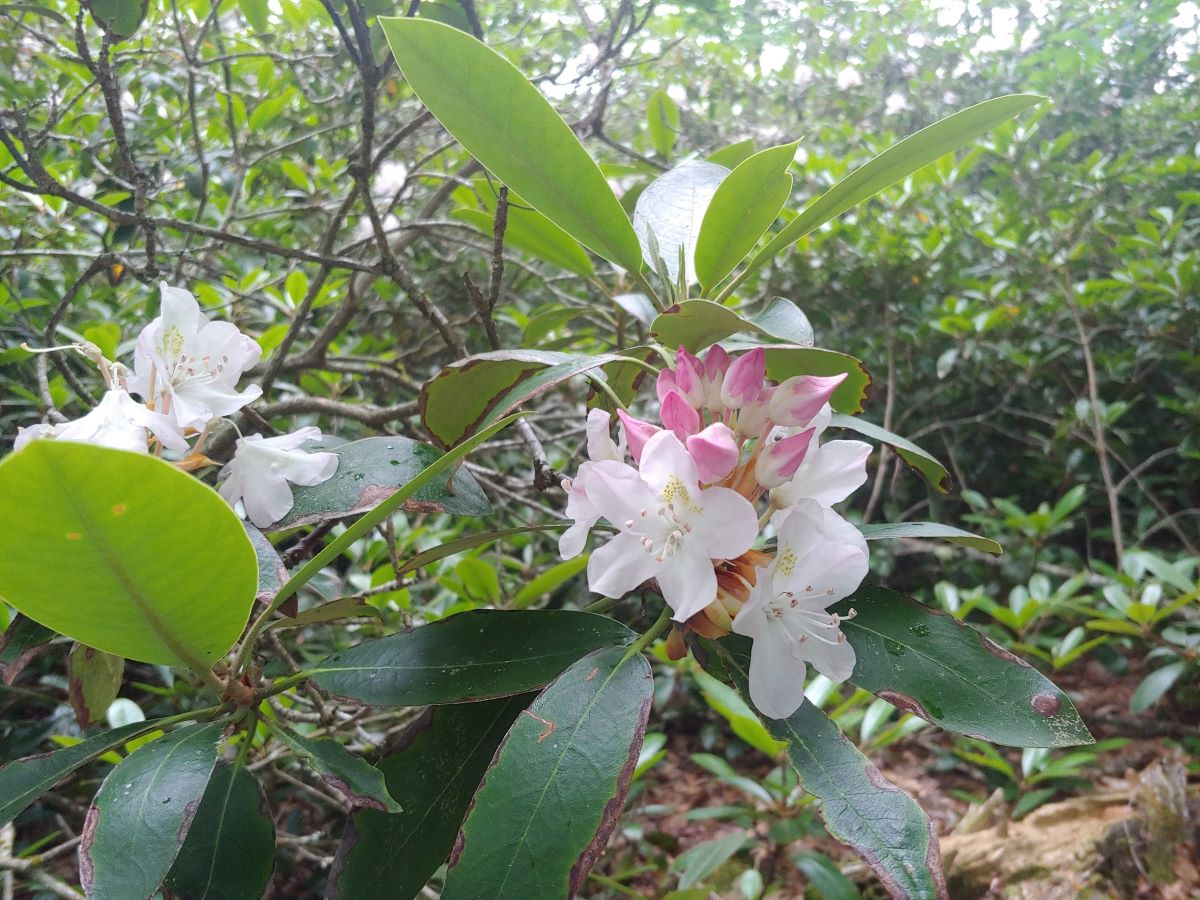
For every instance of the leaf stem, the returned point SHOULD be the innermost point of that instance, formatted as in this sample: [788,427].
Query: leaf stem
[651,634]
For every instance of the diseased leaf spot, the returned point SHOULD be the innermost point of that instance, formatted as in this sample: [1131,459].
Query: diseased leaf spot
[549,729]
[119,509]
[1046,704]
[74,536]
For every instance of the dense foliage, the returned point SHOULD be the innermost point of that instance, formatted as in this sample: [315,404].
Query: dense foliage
[1027,307]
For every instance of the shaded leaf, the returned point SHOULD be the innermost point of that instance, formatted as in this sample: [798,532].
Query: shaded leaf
[928,663]
[272,573]
[851,395]
[23,640]
[342,608]
[94,678]
[350,775]
[140,816]
[474,655]
[554,792]
[921,460]
[229,852]
[695,324]
[436,769]
[154,592]
[121,17]
[700,861]
[520,139]
[669,212]
[930,531]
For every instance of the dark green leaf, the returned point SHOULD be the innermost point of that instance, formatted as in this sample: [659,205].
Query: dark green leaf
[897,162]
[372,469]
[553,795]
[24,780]
[229,852]
[930,664]
[921,460]
[436,769]
[705,858]
[352,776]
[469,392]
[1154,685]
[930,531]
[121,17]
[471,656]
[94,678]
[741,211]
[23,640]
[166,582]
[143,811]
[272,573]
[825,877]
[502,120]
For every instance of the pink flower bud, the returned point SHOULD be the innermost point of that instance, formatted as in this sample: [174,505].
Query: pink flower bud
[716,364]
[745,379]
[689,377]
[715,452]
[665,384]
[778,463]
[752,418]
[637,433]
[678,416]
[801,397]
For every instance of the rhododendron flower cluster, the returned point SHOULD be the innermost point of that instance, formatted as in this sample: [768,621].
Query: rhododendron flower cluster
[733,460]
[186,371]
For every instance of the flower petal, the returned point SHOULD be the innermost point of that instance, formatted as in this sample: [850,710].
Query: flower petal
[620,566]
[727,526]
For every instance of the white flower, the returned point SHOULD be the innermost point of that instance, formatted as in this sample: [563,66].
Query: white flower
[255,481]
[669,529]
[600,446]
[821,559]
[188,367]
[673,207]
[849,78]
[830,472]
[118,421]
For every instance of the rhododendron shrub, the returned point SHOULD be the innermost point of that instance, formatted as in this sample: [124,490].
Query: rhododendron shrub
[713,499]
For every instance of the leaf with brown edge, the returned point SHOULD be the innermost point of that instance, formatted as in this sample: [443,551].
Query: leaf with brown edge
[351,776]
[436,767]
[272,573]
[553,794]
[21,643]
[94,680]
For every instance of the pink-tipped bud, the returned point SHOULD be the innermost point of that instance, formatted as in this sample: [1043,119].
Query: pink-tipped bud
[637,433]
[778,463]
[752,418]
[665,384]
[716,364]
[678,416]
[800,398]
[689,378]
[745,379]
[715,452]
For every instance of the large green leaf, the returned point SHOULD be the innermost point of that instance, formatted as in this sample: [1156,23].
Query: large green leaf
[695,324]
[899,161]
[930,664]
[372,469]
[436,769]
[125,553]
[531,232]
[471,656]
[502,120]
[930,531]
[860,807]
[662,119]
[742,209]
[553,795]
[143,811]
[851,394]
[229,852]
[24,780]
[471,392]
[921,460]
[352,776]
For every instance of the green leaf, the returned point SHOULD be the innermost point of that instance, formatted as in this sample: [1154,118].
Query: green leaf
[351,776]
[851,394]
[165,564]
[272,573]
[732,155]
[930,664]
[94,678]
[474,655]
[662,118]
[22,641]
[372,469]
[502,120]
[229,852]
[554,792]
[24,780]
[695,324]
[531,232]
[436,769]
[705,858]
[540,587]
[899,161]
[741,211]
[468,542]
[120,17]
[741,718]
[143,811]
[1154,685]
[255,12]
[466,394]
[342,608]
[860,807]
[825,877]
[930,531]
[921,460]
